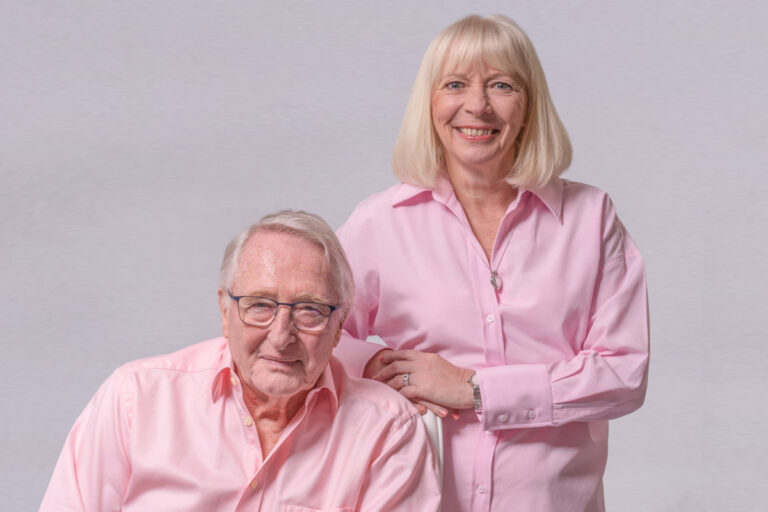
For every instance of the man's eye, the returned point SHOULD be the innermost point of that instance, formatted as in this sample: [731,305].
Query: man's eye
[259,305]
[312,310]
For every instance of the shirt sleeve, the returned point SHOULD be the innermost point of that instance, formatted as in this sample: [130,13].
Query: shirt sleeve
[404,475]
[353,351]
[93,469]
[607,377]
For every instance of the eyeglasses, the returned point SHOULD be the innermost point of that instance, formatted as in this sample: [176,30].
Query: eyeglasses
[261,312]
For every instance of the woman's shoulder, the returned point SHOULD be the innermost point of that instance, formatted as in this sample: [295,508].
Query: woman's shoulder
[385,202]
[585,199]
[576,190]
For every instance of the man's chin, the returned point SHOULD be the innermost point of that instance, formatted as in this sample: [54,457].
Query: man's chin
[283,384]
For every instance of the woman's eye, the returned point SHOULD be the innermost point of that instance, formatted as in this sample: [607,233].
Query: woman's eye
[453,85]
[502,86]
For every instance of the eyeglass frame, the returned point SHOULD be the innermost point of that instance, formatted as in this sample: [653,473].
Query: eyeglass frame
[290,306]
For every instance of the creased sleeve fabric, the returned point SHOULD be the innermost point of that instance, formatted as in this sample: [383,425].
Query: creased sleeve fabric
[353,348]
[607,377]
[559,349]
[93,469]
[402,476]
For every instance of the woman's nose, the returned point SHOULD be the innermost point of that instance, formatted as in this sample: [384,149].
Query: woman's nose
[477,102]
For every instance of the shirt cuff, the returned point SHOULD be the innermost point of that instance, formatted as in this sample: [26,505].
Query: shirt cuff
[515,396]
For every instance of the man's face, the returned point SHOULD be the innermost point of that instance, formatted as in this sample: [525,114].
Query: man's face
[278,360]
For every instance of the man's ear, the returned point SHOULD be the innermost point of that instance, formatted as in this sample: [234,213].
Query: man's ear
[338,333]
[224,304]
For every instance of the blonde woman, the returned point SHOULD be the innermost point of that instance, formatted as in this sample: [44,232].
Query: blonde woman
[512,302]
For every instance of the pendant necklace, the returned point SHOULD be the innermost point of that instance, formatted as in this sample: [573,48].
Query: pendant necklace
[495,278]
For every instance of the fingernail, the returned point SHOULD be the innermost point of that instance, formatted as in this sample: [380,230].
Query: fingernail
[455,415]
[443,413]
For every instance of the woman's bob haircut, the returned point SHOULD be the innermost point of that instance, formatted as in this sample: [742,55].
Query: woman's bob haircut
[543,148]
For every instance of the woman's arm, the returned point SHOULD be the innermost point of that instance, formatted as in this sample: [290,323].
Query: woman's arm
[606,378]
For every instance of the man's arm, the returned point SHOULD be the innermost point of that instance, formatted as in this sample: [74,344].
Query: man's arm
[93,469]
[404,476]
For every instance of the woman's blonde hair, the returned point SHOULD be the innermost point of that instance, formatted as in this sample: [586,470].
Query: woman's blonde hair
[543,148]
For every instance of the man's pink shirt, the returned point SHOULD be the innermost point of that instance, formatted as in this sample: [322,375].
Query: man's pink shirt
[560,349]
[173,433]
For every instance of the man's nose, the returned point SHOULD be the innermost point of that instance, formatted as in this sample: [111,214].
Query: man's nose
[281,330]
[478,103]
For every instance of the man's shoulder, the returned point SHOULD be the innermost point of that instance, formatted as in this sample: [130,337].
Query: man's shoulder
[361,396]
[200,357]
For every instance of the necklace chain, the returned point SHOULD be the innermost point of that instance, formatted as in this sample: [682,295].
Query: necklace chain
[494,278]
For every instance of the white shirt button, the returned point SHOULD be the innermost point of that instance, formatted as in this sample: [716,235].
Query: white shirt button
[490,319]
[531,414]
[503,417]
[233,381]
[248,421]
[481,489]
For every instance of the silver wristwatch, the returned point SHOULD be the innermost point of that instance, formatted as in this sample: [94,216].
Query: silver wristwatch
[477,399]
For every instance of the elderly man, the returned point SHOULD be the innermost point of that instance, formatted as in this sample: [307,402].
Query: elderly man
[261,419]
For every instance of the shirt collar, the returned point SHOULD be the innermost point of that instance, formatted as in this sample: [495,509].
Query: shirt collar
[225,373]
[327,385]
[224,380]
[551,194]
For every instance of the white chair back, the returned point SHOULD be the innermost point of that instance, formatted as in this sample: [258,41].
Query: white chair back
[434,426]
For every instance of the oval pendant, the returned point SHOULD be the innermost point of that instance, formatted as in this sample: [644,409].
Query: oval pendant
[495,280]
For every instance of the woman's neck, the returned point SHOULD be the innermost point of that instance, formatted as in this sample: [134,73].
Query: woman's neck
[485,199]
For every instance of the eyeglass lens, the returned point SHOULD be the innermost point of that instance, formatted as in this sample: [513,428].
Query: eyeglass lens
[260,311]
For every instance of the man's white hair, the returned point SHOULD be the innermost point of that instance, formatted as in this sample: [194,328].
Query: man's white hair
[306,226]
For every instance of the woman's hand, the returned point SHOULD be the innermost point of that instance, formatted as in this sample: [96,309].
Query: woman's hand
[374,364]
[433,382]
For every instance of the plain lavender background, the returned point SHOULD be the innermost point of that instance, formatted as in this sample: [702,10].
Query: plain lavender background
[137,137]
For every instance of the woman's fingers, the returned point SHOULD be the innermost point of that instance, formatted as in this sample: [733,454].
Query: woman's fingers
[375,364]
[390,356]
[438,410]
[392,370]
[401,380]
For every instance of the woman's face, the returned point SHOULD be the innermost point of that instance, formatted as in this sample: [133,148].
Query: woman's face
[477,116]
